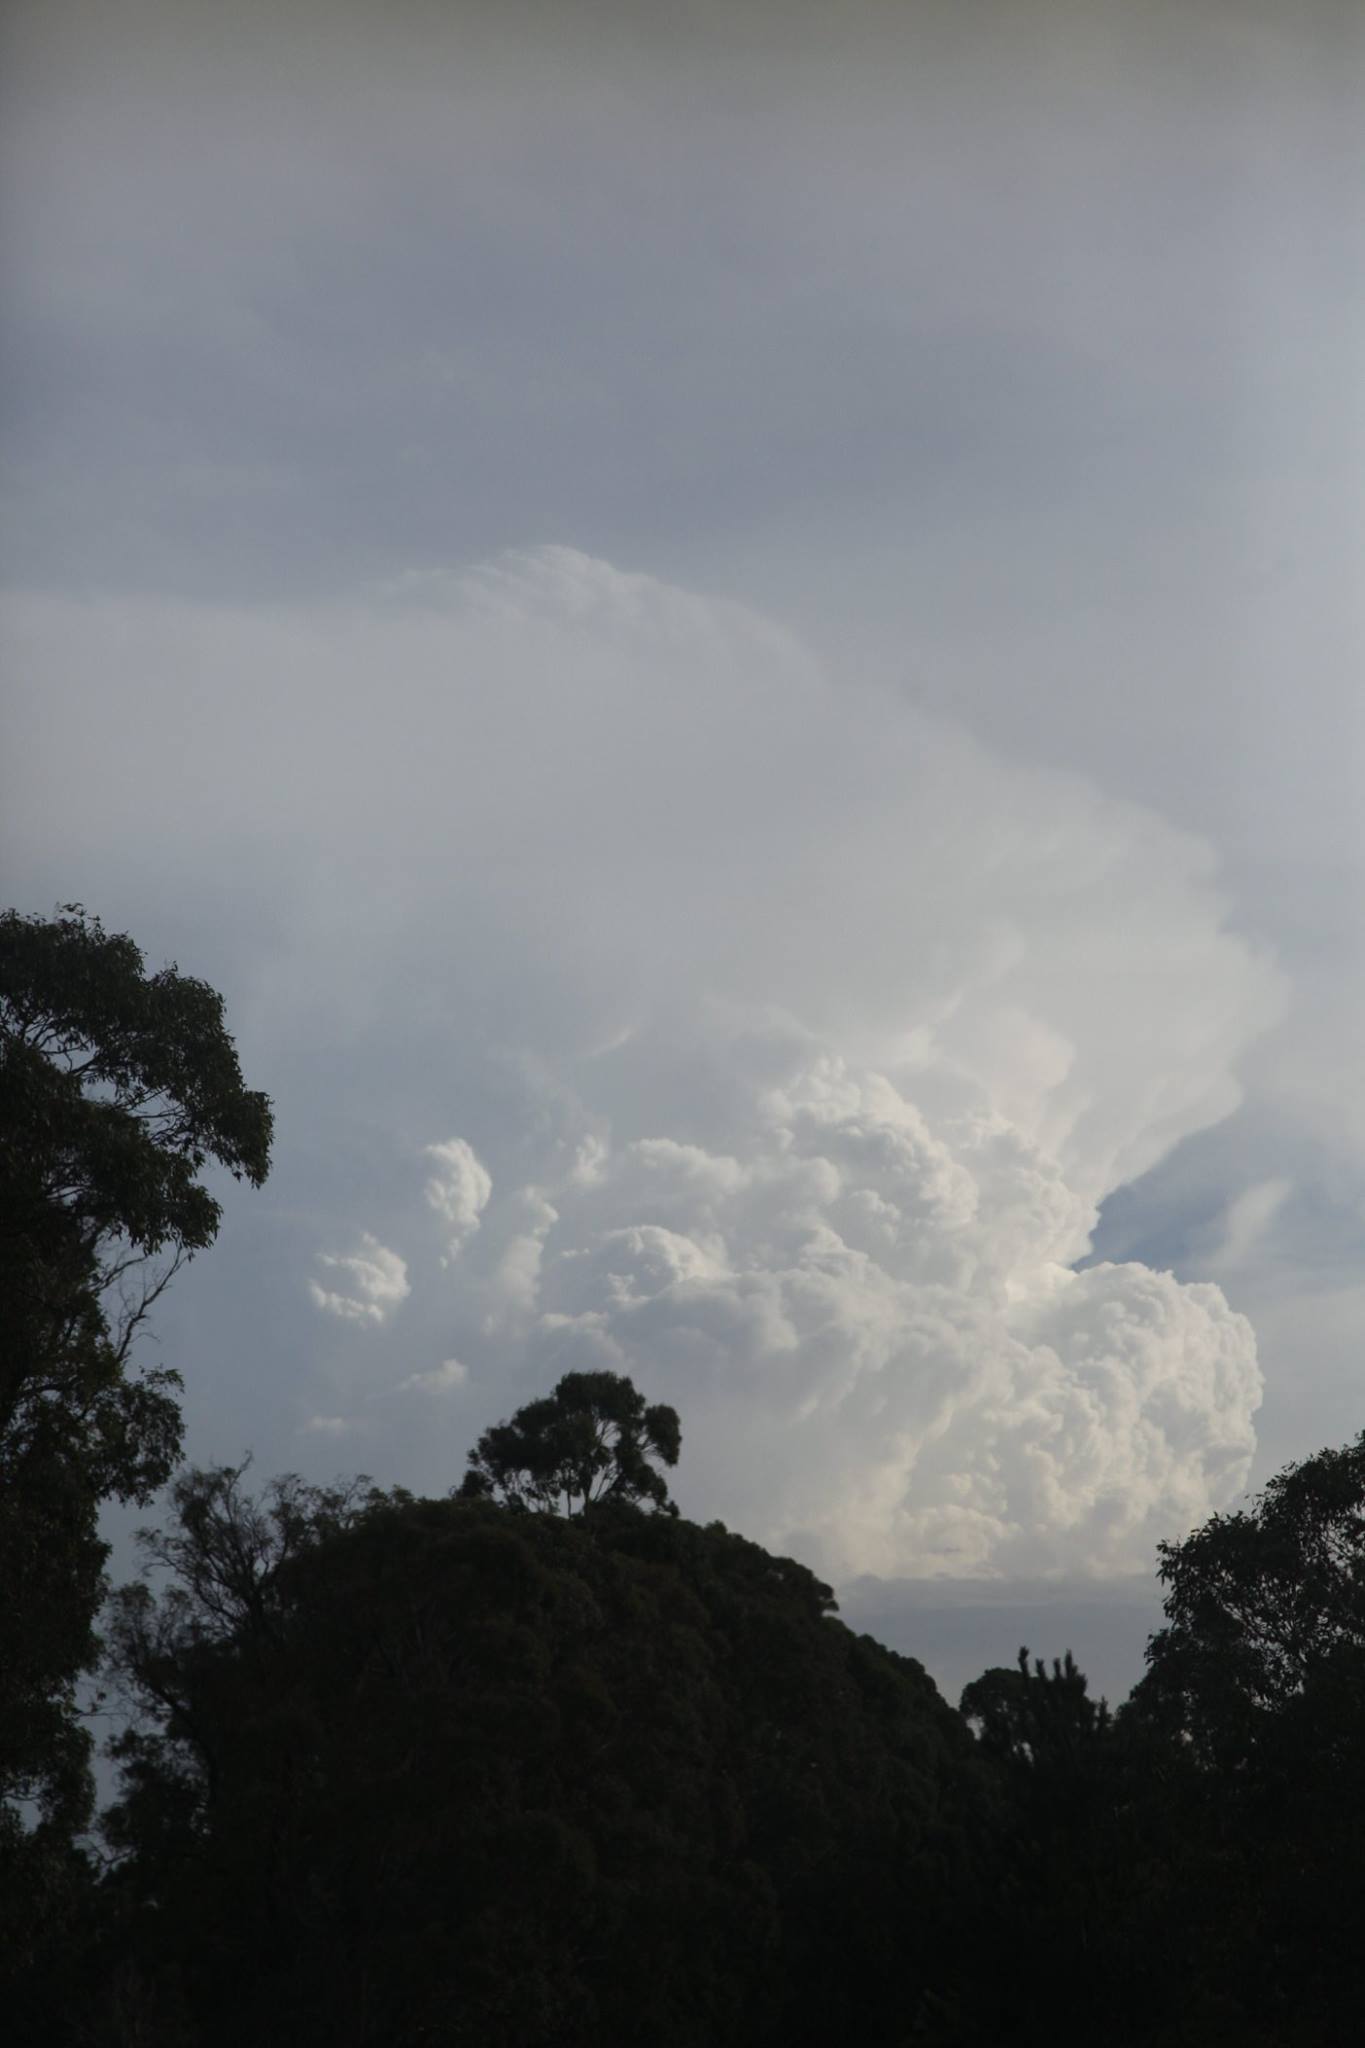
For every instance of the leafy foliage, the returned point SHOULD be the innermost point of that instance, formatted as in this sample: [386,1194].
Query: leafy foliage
[589,1441]
[1191,1870]
[1033,1716]
[453,1771]
[116,1089]
[1261,1607]
[1259,1678]
[439,1771]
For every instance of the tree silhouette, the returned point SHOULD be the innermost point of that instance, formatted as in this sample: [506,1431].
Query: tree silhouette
[116,1089]
[1259,1678]
[588,1442]
[1262,1606]
[1032,1715]
[442,1771]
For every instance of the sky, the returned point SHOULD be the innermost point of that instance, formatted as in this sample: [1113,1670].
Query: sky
[735,633]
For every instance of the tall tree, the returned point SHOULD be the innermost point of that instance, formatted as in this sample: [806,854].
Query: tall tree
[117,1088]
[1261,1607]
[1033,1716]
[589,1441]
[1259,1678]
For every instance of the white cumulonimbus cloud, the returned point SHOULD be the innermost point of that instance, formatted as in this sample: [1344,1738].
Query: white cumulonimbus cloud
[458,1190]
[369,1285]
[872,1326]
[802,1035]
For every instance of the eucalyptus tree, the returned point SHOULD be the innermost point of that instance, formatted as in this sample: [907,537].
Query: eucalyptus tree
[592,1440]
[118,1087]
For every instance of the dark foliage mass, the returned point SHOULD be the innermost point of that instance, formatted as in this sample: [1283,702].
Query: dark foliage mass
[542,1763]
[591,1440]
[1192,1869]
[448,1771]
[116,1089]
[438,1771]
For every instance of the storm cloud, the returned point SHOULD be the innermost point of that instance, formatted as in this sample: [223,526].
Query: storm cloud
[735,633]
[797,1040]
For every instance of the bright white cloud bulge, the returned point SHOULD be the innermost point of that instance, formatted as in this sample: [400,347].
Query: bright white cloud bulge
[818,1036]
[369,1285]
[458,1190]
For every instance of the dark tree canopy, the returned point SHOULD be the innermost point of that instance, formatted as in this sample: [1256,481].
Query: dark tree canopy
[1262,1607]
[415,1771]
[117,1087]
[589,1441]
[1032,1715]
[405,1771]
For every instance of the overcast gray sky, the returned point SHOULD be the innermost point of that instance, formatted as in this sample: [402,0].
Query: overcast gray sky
[736,633]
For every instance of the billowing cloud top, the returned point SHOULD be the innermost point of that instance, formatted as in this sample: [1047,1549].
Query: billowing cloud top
[874,1331]
[369,1283]
[742,1029]
[458,1189]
